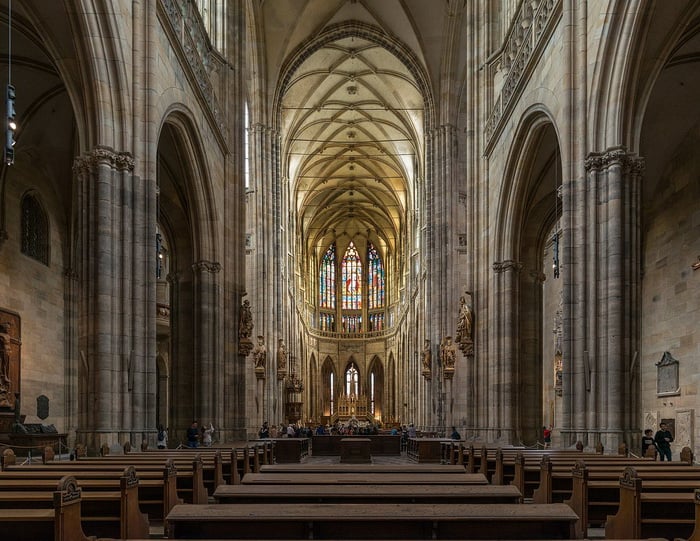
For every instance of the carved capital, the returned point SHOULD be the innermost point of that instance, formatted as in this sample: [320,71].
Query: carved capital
[507,265]
[70,273]
[615,156]
[467,347]
[427,374]
[81,166]
[206,266]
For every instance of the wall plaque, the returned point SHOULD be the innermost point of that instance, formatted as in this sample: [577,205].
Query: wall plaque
[667,376]
[42,407]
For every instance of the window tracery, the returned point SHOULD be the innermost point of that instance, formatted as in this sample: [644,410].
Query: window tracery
[35,230]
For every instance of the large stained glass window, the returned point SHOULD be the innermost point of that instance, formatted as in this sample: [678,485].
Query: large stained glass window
[351,273]
[375,279]
[327,279]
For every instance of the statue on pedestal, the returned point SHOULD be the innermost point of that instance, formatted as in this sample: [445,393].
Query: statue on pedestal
[245,329]
[5,350]
[426,359]
[464,324]
[260,357]
[448,356]
[281,359]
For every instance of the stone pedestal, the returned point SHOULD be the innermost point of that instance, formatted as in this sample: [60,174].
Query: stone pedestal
[355,451]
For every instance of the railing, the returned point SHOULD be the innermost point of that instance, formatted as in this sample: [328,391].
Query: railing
[531,27]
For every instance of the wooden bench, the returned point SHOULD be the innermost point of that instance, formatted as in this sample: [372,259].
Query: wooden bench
[156,494]
[643,514]
[596,493]
[556,482]
[446,494]
[365,479]
[104,513]
[362,468]
[62,523]
[372,521]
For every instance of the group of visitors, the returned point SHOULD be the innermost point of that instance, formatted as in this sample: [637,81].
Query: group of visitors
[195,435]
[658,443]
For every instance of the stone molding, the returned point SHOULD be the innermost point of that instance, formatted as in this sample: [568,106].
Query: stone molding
[507,265]
[206,266]
[615,156]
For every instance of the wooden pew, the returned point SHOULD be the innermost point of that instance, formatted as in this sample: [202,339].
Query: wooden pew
[361,468]
[364,479]
[156,494]
[556,482]
[372,521]
[445,494]
[62,523]
[189,472]
[596,493]
[643,514]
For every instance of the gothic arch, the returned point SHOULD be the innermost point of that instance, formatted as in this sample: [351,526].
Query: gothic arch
[376,387]
[526,219]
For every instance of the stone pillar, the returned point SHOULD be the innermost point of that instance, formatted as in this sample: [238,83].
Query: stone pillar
[613,339]
[504,374]
[208,399]
[114,336]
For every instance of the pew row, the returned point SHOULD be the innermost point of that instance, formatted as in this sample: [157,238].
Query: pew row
[60,523]
[445,494]
[372,521]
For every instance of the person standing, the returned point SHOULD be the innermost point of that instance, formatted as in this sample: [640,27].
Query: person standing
[455,435]
[647,442]
[547,435]
[264,431]
[207,435]
[663,439]
[162,439]
[193,435]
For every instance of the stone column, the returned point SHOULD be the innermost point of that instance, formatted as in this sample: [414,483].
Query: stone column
[208,399]
[613,339]
[504,396]
[114,336]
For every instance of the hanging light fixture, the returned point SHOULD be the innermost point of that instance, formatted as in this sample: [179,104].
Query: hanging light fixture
[10,94]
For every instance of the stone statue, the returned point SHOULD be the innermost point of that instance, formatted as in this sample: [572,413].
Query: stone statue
[426,356]
[260,354]
[281,355]
[464,322]
[5,348]
[245,321]
[448,353]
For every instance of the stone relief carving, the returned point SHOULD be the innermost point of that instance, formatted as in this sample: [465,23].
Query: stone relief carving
[651,421]
[685,428]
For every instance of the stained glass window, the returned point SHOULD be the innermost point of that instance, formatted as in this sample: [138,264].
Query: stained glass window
[375,279]
[352,323]
[376,322]
[327,322]
[327,279]
[35,230]
[351,380]
[351,273]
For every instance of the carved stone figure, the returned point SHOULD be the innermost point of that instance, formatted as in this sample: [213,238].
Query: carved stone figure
[281,356]
[5,347]
[448,354]
[426,356]
[245,323]
[260,354]
[464,322]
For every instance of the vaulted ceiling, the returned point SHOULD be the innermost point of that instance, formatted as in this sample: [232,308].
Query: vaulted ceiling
[352,119]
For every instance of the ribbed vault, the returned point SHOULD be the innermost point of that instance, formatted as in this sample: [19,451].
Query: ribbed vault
[352,122]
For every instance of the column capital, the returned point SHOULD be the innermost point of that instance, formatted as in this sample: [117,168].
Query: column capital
[597,161]
[102,155]
[507,265]
[206,266]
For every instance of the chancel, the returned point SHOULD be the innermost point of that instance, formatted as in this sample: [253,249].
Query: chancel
[364,214]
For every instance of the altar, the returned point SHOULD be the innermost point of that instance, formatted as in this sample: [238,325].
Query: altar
[353,406]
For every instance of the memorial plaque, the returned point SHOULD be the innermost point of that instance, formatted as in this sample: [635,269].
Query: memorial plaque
[667,376]
[42,407]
